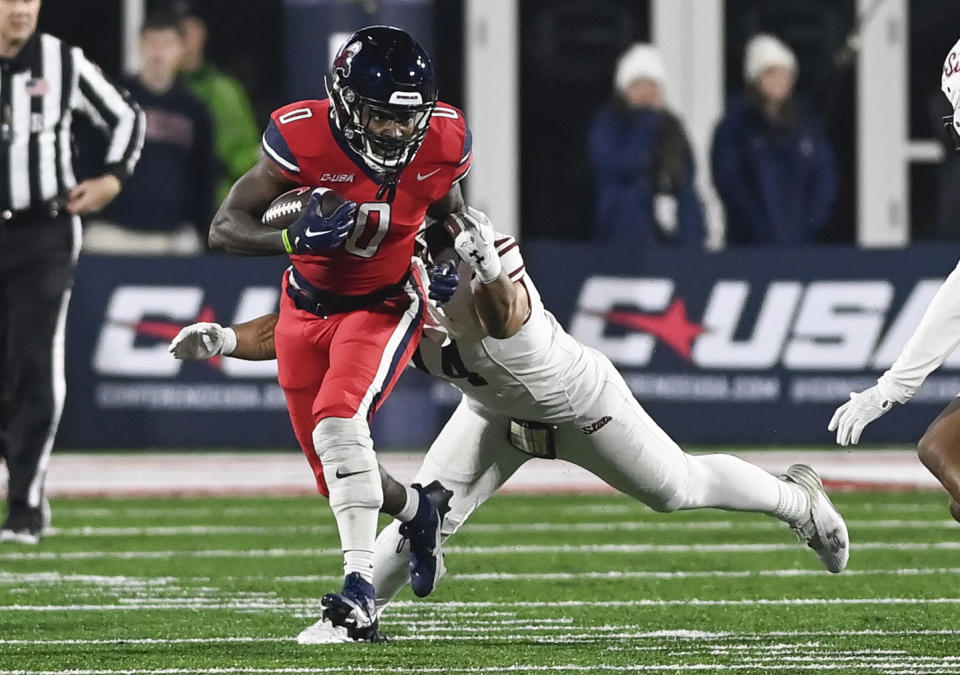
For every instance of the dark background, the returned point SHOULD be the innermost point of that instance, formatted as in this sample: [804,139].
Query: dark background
[567,53]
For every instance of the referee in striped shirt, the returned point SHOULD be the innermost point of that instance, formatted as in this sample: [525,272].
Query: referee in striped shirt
[43,83]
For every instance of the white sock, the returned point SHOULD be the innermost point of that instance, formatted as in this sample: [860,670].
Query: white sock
[353,480]
[728,482]
[794,502]
[411,507]
[360,562]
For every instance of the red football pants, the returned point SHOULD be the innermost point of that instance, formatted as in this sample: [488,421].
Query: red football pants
[344,365]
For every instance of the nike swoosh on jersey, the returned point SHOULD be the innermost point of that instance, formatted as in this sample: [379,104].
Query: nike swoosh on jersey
[352,473]
[425,176]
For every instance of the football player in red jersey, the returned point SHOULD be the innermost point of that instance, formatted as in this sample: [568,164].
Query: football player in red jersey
[352,310]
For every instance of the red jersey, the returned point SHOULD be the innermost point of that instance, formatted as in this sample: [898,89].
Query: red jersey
[302,141]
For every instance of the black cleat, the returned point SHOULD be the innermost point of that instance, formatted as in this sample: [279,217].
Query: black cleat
[354,608]
[25,525]
[423,532]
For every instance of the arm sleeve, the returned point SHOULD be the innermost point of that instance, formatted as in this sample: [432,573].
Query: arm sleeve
[466,157]
[931,343]
[111,109]
[275,147]
[510,257]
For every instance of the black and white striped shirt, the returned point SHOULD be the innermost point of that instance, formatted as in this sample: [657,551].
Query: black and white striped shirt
[40,90]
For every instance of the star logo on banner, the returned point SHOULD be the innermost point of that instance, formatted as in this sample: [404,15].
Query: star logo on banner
[674,328]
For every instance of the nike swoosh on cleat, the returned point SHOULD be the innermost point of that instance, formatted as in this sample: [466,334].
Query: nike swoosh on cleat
[425,176]
[352,473]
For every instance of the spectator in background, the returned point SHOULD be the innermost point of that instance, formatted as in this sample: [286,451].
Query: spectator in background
[643,166]
[773,165]
[235,131]
[166,206]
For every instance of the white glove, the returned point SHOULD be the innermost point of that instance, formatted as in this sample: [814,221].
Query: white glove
[200,341]
[475,244]
[863,407]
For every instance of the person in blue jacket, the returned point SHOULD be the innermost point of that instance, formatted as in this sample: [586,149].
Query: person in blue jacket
[642,162]
[772,162]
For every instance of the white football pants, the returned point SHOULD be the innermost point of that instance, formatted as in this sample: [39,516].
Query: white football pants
[473,457]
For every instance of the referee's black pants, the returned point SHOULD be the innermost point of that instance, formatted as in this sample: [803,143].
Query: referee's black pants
[37,261]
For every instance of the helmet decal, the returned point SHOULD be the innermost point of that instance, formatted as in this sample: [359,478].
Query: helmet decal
[345,57]
[382,91]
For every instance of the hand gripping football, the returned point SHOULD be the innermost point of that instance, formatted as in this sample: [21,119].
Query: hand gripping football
[285,209]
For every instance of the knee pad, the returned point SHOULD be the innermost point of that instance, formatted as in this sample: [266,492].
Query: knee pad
[349,464]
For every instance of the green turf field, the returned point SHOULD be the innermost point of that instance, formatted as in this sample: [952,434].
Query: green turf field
[536,584]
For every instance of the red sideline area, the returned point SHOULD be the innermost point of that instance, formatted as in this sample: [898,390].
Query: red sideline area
[75,474]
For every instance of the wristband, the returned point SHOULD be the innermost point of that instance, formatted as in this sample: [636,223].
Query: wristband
[286,240]
[229,340]
[490,272]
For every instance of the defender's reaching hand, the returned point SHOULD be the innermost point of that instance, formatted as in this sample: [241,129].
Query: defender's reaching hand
[863,407]
[200,341]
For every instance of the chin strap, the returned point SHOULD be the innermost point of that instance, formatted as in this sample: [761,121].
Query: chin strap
[389,187]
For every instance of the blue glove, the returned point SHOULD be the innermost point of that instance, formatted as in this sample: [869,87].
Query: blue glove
[314,233]
[443,281]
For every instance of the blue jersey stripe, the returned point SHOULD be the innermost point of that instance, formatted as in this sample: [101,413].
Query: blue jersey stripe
[275,145]
[467,147]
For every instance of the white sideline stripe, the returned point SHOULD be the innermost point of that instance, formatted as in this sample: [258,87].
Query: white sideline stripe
[309,604]
[480,550]
[695,635]
[243,473]
[205,530]
[150,582]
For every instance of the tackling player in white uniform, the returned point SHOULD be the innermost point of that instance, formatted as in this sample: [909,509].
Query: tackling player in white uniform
[937,335]
[531,390]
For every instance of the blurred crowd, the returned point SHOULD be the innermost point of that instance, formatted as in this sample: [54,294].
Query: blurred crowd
[200,137]
[771,161]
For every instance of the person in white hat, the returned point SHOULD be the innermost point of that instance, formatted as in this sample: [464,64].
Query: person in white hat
[931,343]
[772,162]
[642,162]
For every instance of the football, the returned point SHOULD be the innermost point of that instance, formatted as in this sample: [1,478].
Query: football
[285,209]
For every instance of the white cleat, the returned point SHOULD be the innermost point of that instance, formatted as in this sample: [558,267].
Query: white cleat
[20,537]
[823,529]
[323,633]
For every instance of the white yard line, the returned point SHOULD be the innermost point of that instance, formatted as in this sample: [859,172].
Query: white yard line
[53,578]
[490,528]
[692,635]
[310,604]
[476,550]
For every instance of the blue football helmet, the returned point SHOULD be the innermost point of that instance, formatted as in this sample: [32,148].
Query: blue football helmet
[382,80]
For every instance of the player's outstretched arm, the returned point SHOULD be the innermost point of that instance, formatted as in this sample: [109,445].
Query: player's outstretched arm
[502,305]
[937,335]
[252,340]
[236,227]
